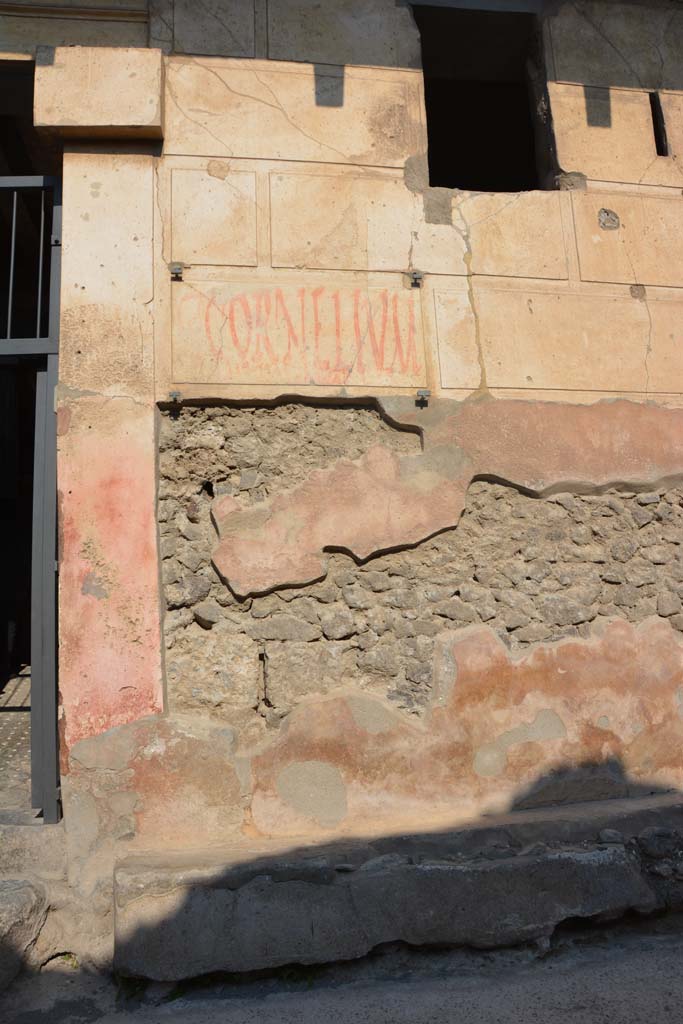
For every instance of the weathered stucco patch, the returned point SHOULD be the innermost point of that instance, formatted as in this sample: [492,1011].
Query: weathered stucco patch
[491,759]
[370,714]
[93,585]
[315,790]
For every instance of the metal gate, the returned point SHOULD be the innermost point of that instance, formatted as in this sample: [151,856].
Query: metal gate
[31,219]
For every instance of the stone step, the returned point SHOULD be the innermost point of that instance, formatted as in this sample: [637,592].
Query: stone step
[32,850]
[264,906]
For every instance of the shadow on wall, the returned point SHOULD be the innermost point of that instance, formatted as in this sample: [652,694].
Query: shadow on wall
[591,781]
[499,881]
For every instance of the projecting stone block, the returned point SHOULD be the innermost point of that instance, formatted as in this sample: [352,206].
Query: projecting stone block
[100,91]
[175,921]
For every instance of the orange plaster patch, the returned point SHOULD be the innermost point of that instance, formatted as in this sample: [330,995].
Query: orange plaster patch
[507,723]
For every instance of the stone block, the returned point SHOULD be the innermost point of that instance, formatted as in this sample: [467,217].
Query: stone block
[218,27]
[271,332]
[606,135]
[107,256]
[646,247]
[107,488]
[600,341]
[219,673]
[223,107]
[175,922]
[514,235]
[455,331]
[345,32]
[214,217]
[616,43]
[100,91]
[23,908]
[341,222]
[22,34]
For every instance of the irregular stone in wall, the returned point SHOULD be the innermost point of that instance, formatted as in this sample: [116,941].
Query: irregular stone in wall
[224,679]
[299,670]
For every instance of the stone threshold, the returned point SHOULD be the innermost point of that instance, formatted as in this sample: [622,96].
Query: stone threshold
[501,882]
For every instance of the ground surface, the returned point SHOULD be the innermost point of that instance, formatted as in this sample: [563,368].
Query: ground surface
[630,975]
[15,744]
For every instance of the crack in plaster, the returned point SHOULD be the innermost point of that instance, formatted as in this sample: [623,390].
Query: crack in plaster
[598,27]
[276,105]
[184,113]
[639,292]
[467,259]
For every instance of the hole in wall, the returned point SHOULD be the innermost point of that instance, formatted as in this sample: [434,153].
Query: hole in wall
[658,125]
[479,95]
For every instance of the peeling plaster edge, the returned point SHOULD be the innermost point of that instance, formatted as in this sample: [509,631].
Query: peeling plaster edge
[560,487]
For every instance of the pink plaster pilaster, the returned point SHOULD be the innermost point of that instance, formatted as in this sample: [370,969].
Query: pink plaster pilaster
[109,638]
[109,611]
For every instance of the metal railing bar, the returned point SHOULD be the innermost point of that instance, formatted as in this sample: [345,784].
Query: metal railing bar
[55,260]
[38,556]
[27,346]
[39,303]
[11,264]
[27,181]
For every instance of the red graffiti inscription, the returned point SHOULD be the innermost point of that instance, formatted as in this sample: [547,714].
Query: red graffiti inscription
[315,335]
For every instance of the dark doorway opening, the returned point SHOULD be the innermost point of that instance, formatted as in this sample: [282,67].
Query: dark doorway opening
[17,429]
[482,82]
[17,442]
[30,230]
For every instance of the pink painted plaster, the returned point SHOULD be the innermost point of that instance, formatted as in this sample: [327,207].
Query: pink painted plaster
[109,617]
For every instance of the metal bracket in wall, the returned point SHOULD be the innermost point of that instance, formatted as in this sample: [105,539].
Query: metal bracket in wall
[175,397]
[176,271]
[415,278]
[422,398]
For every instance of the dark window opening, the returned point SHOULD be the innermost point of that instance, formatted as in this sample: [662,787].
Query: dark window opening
[481,75]
[658,125]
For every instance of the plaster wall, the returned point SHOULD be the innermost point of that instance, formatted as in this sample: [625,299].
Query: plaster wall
[292,186]
[327,210]
[29,26]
